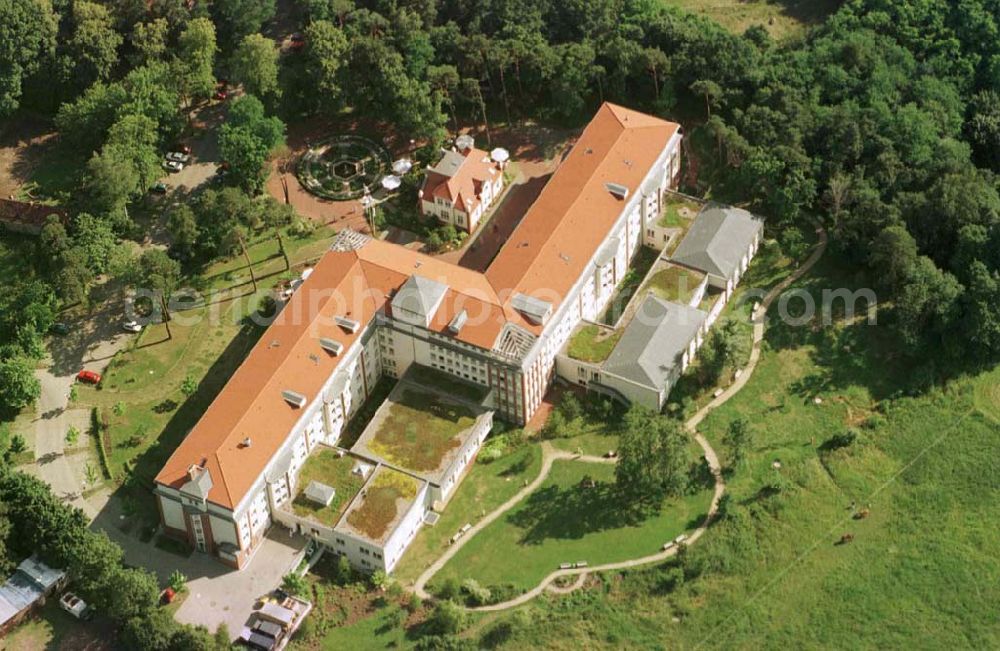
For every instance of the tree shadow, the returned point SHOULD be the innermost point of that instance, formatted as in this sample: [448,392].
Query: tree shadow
[572,512]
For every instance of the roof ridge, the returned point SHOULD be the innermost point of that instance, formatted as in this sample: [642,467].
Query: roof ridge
[264,385]
[570,207]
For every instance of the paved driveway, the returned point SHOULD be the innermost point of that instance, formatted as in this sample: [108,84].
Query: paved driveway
[220,594]
[91,344]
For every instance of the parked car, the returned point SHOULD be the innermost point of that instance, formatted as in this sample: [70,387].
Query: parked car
[90,377]
[59,328]
[182,148]
[75,606]
[131,326]
[159,188]
[297,41]
[180,157]
[220,94]
[172,166]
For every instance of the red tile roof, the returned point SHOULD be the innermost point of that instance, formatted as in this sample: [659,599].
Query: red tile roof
[544,257]
[465,185]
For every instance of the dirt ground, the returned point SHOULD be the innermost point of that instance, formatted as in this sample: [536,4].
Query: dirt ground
[22,143]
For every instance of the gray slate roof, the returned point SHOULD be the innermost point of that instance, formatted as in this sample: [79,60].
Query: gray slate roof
[449,164]
[718,239]
[654,341]
[419,295]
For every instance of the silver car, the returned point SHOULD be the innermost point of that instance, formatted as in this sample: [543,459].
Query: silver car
[178,157]
[172,166]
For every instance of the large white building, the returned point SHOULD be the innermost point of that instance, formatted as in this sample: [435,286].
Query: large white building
[371,308]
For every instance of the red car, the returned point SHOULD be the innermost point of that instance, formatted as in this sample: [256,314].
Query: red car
[90,377]
[221,94]
[297,41]
[182,148]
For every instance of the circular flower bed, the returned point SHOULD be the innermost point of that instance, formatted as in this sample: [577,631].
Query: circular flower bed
[341,167]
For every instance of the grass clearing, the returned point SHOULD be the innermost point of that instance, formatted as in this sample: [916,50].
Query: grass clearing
[53,628]
[922,571]
[563,521]
[593,343]
[327,466]
[782,18]
[485,487]
[419,429]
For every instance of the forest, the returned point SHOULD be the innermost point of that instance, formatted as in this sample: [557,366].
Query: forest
[883,122]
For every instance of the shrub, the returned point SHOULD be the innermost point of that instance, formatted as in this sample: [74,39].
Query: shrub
[448,618]
[379,580]
[189,385]
[294,583]
[476,595]
[414,603]
[448,589]
[177,581]
[119,408]
[345,573]
[18,444]
[301,227]
[72,435]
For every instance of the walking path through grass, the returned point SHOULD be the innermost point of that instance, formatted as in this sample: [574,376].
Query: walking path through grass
[550,454]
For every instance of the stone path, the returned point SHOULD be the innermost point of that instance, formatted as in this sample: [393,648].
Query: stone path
[550,454]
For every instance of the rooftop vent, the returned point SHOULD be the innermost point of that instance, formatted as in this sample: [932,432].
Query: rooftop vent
[294,398]
[331,345]
[246,442]
[617,189]
[456,324]
[347,323]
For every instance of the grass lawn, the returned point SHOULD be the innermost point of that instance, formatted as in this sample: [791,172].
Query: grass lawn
[922,571]
[378,631]
[592,343]
[387,497]
[781,19]
[419,429]
[56,629]
[678,211]
[673,283]
[154,391]
[485,487]
[328,467]
[565,522]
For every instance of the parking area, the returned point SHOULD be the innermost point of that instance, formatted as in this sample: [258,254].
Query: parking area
[222,595]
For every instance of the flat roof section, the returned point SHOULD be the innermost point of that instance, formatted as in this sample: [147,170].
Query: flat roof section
[382,503]
[423,424]
[345,473]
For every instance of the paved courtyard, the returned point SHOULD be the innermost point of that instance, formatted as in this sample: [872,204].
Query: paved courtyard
[218,594]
